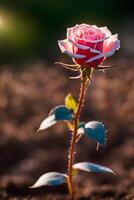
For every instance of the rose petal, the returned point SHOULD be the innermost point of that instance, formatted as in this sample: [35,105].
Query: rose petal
[78,27]
[111,45]
[95,51]
[83,25]
[65,45]
[83,47]
[95,26]
[74,55]
[94,41]
[115,46]
[106,31]
[95,58]
[69,33]
[71,30]
[80,46]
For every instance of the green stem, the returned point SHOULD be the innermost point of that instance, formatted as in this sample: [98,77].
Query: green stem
[84,82]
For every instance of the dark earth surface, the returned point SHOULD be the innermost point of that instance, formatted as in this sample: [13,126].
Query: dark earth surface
[26,98]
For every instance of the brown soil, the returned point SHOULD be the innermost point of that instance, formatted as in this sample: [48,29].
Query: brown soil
[26,97]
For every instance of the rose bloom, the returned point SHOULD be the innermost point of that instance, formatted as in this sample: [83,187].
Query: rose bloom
[89,45]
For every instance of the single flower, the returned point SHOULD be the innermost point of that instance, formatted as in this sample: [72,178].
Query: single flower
[89,45]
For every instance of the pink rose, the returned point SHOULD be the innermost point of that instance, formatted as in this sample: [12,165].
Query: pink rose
[89,45]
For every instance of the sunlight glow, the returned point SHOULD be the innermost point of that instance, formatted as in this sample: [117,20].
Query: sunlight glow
[1,21]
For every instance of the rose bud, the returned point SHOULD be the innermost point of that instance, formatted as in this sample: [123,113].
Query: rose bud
[89,45]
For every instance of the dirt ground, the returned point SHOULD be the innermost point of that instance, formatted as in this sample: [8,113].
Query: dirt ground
[27,96]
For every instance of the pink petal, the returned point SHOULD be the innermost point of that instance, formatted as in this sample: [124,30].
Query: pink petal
[106,31]
[95,26]
[94,41]
[84,47]
[73,30]
[74,55]
[80,46]
[69,33]
[111,45]
[65,45]
[94,58]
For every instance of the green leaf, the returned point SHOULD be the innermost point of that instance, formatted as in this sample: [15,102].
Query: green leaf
[51,179]
[92,167]
[94,130]
[59,113]
[71,103]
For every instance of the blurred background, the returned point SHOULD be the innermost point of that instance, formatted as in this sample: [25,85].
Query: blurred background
[31,85]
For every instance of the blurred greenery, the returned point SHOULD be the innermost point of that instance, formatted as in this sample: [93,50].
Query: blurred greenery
[30,29]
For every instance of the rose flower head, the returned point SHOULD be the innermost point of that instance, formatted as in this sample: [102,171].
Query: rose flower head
[89,45]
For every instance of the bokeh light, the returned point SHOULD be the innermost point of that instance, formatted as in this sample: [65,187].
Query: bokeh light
[1,21]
